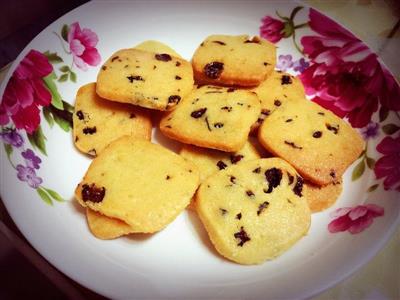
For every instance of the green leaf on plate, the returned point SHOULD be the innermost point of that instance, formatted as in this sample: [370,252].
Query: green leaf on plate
[358,171]
[390,128]
[64,32]
[8,148]
[63,118]
[372,188]
[295,11]
[68,107]
[37,140]
[64,69]
[54,195]
[64,124]
[53,57]
[72,76]
[46,198]
[63,78]
[370,162]
[383,113]
[51,86]
[362,154]
[48,116]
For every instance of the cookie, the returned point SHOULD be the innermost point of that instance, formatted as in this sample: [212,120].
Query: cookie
[209,161]
[233,60]
[153,80]
[139,183]
[157,47]
[106,228]
[320,145]
[278,88]
[97,122]
[322,197]
[254,211]
[213,117]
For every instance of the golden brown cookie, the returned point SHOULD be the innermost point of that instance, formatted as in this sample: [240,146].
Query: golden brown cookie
[320,145]
[254,211]
[153,80]
[213,117]
[322,197]
[140,183]
[233,60]
[98,122]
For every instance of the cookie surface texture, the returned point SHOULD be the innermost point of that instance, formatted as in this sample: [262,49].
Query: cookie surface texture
[254,211]
[140,183]
[320,145]
[98,122]
[210,161]
[233,60]
[157,47]
[106,228]
[322,197]
[278,88]
[153,80]
[213,117]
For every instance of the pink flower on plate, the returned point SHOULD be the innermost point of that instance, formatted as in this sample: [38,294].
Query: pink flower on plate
[344,75]
[25,92]
[271,29]
[354,219]
[388,166]
[82,43]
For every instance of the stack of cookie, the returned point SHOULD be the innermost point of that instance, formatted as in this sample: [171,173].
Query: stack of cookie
[253,208]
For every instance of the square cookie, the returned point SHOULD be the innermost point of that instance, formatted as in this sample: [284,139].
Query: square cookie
[233,60]
[98,122]
[140,183]
[320,145]
[213,117]
[153,80]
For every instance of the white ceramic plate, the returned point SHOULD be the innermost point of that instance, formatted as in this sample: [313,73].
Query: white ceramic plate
[179,262]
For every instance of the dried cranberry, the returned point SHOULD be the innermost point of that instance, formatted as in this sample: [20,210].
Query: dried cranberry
[298,188]
[249,193]
[261,207]
[274,177]
[80,115]
[317,134]
[198,113]
[221,165]
[163,57]
[92,193]
[242,236]
[174,99]
[236,158]
[89,130]
[131,78]
[286,80]
[214,69]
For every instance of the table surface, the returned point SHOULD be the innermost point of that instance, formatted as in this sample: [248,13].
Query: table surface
[380,278]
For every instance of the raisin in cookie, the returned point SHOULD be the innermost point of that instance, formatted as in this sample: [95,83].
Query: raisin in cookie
[322,197]
[254,211]
[97,122]
[153,80]
[213,117]
[209,161]
[106,228]
[156,47]
[278,88]
[320,145]
[139,183]
[233,60]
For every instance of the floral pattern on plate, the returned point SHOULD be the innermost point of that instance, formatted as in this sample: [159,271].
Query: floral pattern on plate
[340,73]
[32,89]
